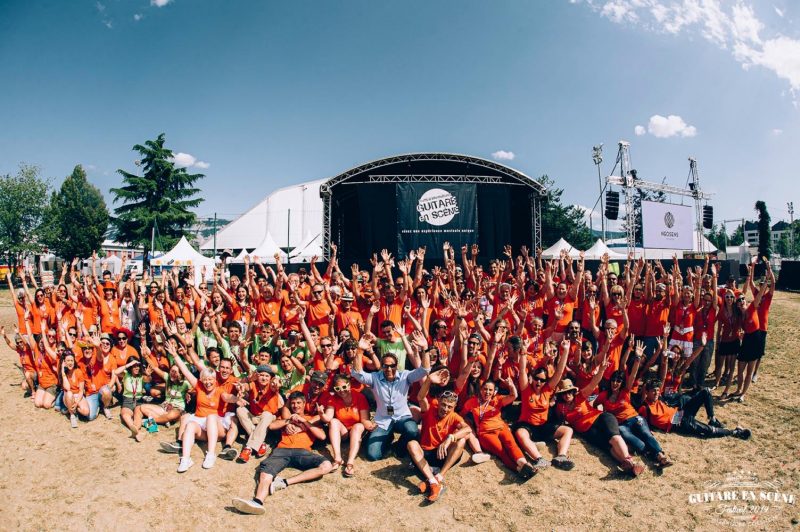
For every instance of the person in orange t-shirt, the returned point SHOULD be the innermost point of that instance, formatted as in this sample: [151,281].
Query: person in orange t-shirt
[442,438]
[293,451]
[494,435]
[73,382]
[752,343]
[763,311]
[25,359]
[347,414]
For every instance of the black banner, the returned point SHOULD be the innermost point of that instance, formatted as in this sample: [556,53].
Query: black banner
[430,214]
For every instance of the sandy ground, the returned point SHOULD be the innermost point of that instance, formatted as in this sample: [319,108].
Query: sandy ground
[97,477]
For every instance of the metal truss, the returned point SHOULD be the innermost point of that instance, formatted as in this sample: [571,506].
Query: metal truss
[429,178]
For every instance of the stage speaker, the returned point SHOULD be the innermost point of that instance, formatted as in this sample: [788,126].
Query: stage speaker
[612,205]
[708,217]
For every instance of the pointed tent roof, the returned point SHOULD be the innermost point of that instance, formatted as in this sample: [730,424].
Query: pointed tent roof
[267,249]
[183,254]
[599,249]
[309,247]
[239,259]
[554,251]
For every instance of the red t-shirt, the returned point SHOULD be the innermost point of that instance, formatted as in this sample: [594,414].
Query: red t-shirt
[487,417]
[582,416]
[434,430]
[535,406]
[622,409]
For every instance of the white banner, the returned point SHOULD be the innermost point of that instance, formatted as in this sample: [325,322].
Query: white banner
[667,226]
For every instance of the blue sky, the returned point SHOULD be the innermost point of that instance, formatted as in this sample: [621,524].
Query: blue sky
[260,95]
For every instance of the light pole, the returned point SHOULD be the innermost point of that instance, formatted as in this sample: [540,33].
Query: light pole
[790,205]
[597,157]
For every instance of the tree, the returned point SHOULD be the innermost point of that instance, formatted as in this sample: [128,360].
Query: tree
[77,219]
[23,202]
[559,221]
[764,231]
[160,199]
[737,237]
[784,246]
[716,235]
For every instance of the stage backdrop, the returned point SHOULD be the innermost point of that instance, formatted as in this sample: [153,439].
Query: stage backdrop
[429,214]
[666,225]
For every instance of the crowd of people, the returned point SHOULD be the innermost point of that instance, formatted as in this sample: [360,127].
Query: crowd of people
[432,362]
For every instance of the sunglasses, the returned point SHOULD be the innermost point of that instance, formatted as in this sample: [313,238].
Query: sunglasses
[474,343]
[729,297]
[616,380]
[390,366]
[539,379]
[318,292]
[106,342]
[342,388]
[326,345]
[122,339]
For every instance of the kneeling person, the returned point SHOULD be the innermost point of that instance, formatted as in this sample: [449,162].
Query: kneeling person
[443,436]
[294,450]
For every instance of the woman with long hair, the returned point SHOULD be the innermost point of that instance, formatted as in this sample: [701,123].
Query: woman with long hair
[347,415]
[731,317]
[73,382]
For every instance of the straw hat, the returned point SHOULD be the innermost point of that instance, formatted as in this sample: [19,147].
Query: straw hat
[566,386]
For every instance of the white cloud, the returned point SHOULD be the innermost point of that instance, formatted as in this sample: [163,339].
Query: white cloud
[732,26]
[159,3]
[137,17]
[639,131]
[100,7]
[186,160]
[670,126]
[202,165]
[777,131]
[502,155]
[108,24]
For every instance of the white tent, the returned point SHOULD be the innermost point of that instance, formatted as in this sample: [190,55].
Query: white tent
[239,259]
[554,251]
[111,263]
[310,246]
[599,249]
[183,254]
[663,254]
[267,249]
[288,213]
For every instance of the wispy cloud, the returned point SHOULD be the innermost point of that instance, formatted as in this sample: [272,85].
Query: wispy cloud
[730,26]
[777,132]
[186,160]
[503,155]
[639,131]
[108,24]
[137,17]
[159,3]
[100,7]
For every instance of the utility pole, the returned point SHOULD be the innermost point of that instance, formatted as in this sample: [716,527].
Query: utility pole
[214,228]
[790,205]
[597,157]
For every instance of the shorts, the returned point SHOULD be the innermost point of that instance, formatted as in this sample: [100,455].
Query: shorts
[726,349]
[129,403]
[281,458]
[201,421]
[753,345]
[52,390]
[686,347]
[602,430]
[544,432]
[432,458]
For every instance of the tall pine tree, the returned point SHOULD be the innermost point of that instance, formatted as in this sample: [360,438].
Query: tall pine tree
[159,198]
[562,221]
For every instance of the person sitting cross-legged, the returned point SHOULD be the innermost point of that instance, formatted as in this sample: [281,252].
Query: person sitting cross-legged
[294,450]
[443,436]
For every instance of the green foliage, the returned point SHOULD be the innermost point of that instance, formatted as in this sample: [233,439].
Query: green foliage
[737,237]
[23,202]
[764,231]
[161,197]
[717,236]
[784,246]
[559,221]
[77,219]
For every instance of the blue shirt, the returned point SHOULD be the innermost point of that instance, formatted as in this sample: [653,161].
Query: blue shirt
[390,393]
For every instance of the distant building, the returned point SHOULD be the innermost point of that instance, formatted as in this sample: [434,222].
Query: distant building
[777,231]
[116,249]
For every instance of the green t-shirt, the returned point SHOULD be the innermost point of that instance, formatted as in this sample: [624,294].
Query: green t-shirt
[383,347]
[289,380]
[132,387]
[176,394]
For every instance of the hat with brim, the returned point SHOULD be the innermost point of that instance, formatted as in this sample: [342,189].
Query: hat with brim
[127,332]
[319,377]
[347,296]
[84,344]
[566,386]
[109,285]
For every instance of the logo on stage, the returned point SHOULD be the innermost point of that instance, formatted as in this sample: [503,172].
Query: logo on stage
[437,207]
[669,220]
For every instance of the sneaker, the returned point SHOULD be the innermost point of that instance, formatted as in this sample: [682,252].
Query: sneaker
[244,456]
[264,449]
[73,421]
[208,463]
[435,470]
[229,453]
[423,486]
[172,447]
[184,465]
[541,463]
[714,422]
[140,436]
[479,458]
[436,491]
[107,412]
[742,434]
[528,471]
[754,378]
[563,463]
[277,485]
[248,506]
[147,399]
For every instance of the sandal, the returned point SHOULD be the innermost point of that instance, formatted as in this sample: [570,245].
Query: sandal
[336,465]
[349,470]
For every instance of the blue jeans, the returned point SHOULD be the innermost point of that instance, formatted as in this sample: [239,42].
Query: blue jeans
[379,439]
[637,435]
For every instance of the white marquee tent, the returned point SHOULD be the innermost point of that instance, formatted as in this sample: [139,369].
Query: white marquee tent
[183,254]
[267,249]
[310,246]
[599,249]
[554,251]
[239,259]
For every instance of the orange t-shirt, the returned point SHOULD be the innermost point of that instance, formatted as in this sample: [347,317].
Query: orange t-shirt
[434,430]
[349,415]
[637,316]
[74,381]
[123,356]
[26,358]
[535,407]
[269,310]
[657,317]
[46,369]
[261,401]
[487,418]
[109,315]
[763,311]
[613,312]
[567,306]
[614,353]
[301,440]
[207,403]
[658,415]
[20,315]
[318,313]
[582,416]
[621,408]
[350,321]
[751,322]
[97,373]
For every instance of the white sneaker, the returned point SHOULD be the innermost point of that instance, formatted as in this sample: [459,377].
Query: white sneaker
[479,458]
[208,463]
[249,506]
[107,412]
[184,465]
[171,447]
[755,378]
[277,485]
[73,421]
